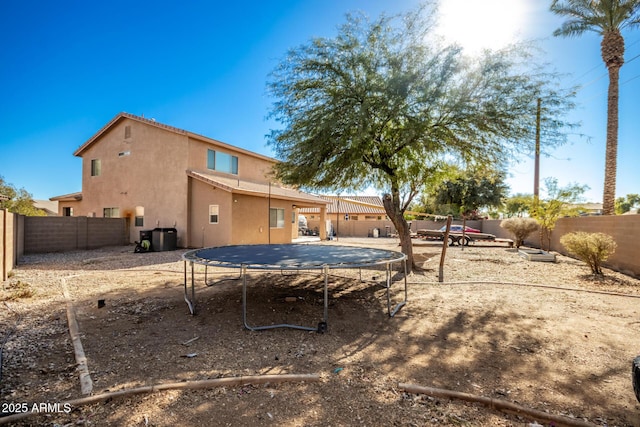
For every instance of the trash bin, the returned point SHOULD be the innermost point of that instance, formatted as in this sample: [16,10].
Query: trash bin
[164,239]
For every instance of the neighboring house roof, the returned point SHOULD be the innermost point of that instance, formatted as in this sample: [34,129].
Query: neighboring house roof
[591,206]
[121,116]
[352,205]
[50,207]
[73,197]
[239,186]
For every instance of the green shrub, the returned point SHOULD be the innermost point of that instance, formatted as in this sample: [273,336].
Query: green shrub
[592,248]
[520,228]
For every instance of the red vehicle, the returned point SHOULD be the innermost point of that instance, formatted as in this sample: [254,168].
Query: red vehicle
[455,228]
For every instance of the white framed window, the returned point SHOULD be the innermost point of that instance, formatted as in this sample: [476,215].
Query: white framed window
[111,212]
[214,214]
[222,162]
[276,218]
[67,211]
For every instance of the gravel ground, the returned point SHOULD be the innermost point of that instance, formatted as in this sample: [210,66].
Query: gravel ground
[546,336]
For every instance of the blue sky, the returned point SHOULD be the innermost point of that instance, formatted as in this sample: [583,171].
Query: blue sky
[68,67]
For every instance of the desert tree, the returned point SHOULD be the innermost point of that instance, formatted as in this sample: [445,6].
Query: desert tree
[384,104]
[608,18]
[18,201]
[625,204]
[559,202]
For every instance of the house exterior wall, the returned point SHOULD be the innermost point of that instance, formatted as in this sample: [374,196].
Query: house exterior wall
[250,168]
[135,172]
[163,172]
[203,234]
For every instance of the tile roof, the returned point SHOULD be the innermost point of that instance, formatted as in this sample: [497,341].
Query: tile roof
[239,186]
[72,197]
[351,204]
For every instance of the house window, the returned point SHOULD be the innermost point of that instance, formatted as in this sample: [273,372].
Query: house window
[222,162]
[66,211]
[139,216]
[124,153]
[111,212]
[214,214]
[95,167]
[276,218]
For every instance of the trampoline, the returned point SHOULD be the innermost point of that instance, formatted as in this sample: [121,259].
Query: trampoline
[292,257]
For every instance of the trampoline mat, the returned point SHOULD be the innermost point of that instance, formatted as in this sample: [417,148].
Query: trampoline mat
[292,256]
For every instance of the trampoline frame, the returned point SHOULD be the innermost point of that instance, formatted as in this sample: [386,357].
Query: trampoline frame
[190,258]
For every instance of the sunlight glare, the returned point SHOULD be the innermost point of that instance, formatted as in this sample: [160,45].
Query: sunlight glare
[482,24]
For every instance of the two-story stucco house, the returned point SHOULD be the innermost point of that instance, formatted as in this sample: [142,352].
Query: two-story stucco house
[212,193]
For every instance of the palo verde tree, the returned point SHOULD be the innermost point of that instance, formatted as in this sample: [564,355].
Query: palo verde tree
[383,104]
[559,202]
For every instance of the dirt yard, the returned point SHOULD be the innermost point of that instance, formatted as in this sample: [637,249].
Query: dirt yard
[544,336]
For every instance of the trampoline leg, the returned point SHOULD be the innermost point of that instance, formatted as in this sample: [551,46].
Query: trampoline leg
[388,286]
[190,302]
[321,327]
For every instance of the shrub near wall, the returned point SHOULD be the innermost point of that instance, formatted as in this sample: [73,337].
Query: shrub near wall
[624,229]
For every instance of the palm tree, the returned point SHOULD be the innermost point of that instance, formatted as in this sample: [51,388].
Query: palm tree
[608,18]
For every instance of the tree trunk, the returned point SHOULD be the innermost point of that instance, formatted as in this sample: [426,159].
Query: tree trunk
[391,204]
[611,159]
[612,50]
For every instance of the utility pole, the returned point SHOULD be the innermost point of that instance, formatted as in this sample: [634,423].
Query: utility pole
[536,175]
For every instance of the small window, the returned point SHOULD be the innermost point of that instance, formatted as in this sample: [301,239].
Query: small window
[66,211]
[96,169]
[127,132]
[111,212]
[124,153]
[222,162]
[139,221]
[276,218]
[214,213]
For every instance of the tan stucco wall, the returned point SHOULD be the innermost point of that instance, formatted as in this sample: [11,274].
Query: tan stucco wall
[152,176]
[243,219]
[250,168]
[202,233]
[625,230]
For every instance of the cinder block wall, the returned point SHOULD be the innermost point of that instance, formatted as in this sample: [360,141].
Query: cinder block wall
[625,230]
[60,234]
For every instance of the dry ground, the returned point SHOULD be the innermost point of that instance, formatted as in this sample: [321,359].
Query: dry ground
[543,335]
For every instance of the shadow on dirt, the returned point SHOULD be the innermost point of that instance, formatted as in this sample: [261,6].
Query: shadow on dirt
[145,335]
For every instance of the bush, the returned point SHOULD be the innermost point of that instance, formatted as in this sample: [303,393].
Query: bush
[592,248]
[520,228]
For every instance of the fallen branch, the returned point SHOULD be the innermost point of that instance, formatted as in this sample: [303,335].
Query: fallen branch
[498,404]
[188,385]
